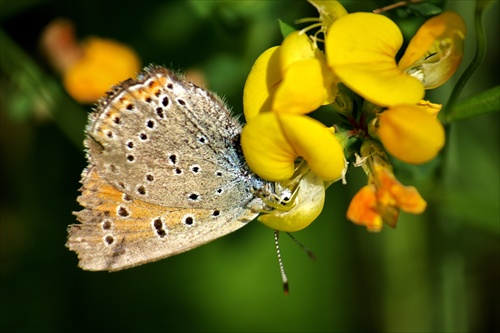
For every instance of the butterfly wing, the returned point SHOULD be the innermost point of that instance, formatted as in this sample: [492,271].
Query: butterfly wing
[165,174]
[169,142]
[118,231]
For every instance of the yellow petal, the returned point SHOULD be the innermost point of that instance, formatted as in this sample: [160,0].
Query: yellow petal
[408,199]
[307,82]
[363,209]
[435,52]
[305,87]
[316,143]
[261,83]
[308,204]
[104,63]
[405,197]
[266,149]
[410,133]
[272,142]
[295,47]
[361,50]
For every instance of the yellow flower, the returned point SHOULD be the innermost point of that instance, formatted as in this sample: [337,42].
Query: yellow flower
[380,201]
[103,63]
[273,141]
[361,50]
[410,133]
[285,83]
[305,206]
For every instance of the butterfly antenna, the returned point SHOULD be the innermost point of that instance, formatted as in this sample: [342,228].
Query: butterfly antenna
[284,279]
[302,246]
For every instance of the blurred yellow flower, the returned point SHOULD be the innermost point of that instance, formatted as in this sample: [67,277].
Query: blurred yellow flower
[103,63]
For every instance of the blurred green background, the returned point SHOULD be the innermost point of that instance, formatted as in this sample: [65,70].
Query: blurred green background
[436,272]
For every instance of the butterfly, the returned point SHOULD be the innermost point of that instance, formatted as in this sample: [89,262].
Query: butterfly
[165,174]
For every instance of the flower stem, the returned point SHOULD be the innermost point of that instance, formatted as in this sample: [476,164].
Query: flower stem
[447,114]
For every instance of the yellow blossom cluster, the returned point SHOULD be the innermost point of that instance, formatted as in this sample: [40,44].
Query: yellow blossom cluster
[358,51]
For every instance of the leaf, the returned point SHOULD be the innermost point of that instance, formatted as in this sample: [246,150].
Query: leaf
[478,104]
[285,28]
[425,9]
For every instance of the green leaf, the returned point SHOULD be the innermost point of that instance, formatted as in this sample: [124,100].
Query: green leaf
[285,28]
[478,104]
[425,9]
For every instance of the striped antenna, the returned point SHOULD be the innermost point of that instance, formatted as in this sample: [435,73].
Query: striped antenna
[284,279]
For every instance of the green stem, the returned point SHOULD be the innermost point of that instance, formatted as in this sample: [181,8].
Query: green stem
[448,113]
